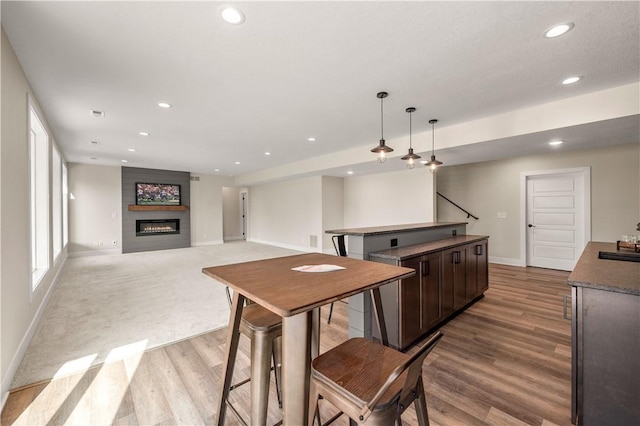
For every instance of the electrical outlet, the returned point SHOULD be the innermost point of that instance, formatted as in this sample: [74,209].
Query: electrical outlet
[454,232]
[100,242]
[394,242]
[501,215]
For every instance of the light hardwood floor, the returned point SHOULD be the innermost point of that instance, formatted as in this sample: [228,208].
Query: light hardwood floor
[504,361]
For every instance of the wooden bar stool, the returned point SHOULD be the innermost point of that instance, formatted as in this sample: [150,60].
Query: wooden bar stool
[370,382]
[264,329]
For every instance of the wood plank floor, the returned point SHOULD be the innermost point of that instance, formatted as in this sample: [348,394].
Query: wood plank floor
[505,361]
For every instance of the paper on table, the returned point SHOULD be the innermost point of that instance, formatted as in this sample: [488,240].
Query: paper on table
[317,268]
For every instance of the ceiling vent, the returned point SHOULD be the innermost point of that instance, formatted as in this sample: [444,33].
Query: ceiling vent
[195,178]
[96,114]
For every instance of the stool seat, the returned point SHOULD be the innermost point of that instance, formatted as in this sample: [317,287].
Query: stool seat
[258,319]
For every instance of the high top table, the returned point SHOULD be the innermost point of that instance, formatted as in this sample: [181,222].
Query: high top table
[295,296]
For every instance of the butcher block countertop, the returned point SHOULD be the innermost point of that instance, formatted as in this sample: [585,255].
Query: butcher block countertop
[603,274]
[390,229]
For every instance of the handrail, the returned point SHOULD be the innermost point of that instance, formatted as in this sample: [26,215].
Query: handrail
[468,214]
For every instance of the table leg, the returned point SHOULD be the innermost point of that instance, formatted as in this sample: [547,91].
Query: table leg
[233,337]
[296,367]
[377,311]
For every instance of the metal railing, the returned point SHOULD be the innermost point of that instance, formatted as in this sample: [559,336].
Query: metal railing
[468,214]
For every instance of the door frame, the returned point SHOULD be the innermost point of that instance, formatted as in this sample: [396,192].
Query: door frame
[524,176]
[243,199]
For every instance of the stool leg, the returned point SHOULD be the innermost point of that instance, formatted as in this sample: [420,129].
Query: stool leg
[277,365]
[261,350]
[233,337]
[421,404]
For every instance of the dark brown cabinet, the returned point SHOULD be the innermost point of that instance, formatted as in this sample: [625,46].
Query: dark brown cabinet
[450,274]
[477,273]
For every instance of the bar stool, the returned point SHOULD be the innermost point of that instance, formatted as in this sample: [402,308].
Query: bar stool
[264,329]
[370,382]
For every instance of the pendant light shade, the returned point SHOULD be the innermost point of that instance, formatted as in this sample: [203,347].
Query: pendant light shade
[382,149]
[410,158]
[433,163]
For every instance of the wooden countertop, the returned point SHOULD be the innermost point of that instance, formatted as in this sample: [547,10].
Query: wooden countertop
[406,252]
[274,285]
[602,274]
[390,229]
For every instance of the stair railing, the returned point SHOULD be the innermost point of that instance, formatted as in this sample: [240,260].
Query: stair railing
[468,214]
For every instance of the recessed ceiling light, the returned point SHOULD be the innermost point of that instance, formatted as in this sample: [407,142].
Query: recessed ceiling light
[267,153]
[558,30]
[94,158]
[350,172]
[571,80]
[143,133]
[553,143]
[311,139]
[237,162]
[216,170]
[131,150]
[164,105]
[232,15]
[124,161]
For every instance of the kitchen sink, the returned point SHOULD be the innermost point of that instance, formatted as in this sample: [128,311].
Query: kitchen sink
[625,257]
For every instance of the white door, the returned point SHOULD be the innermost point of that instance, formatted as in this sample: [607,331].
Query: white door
[555,219]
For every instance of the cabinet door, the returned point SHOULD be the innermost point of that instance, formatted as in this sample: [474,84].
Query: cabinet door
[477,272]
[448,281]
[431,306]
[410,304]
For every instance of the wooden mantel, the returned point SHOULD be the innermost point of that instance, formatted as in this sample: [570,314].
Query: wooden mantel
[133,207]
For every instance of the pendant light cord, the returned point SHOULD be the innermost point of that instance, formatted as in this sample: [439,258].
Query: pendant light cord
[433,138]
[410,146]
[381,119]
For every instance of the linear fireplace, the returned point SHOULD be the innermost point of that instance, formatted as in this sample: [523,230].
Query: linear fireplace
[157,227]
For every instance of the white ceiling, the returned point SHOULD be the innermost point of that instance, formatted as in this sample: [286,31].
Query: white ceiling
[295,70]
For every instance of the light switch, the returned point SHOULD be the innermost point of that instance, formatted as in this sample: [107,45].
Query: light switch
[502,215]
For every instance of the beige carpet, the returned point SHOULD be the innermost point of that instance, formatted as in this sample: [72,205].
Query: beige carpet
[106,307]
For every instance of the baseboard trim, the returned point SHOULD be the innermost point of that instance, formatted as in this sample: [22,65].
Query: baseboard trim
[95,252]
[506,261]
[207,243]
[236,238]
[26,339]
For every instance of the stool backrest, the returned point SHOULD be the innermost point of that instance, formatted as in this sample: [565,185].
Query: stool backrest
[413,366]
[338,244]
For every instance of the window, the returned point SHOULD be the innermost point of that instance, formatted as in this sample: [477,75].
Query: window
[65,206]
[56,201]
[39,188]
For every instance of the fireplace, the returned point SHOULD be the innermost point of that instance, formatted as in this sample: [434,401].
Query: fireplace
[157,227]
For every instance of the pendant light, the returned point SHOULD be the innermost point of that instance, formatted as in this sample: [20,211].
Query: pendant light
[410,158]
[433,163]
[382,149]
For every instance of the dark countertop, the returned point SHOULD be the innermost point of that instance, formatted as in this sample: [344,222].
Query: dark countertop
[602,274]
[390,229]
[402,253]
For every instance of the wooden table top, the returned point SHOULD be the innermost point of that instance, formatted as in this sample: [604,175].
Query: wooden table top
[273,284]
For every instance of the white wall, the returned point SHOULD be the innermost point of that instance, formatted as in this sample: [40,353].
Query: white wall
[19,310]
[332,209]
[286,213]
[388,198]
[94,209]
[232,223]
[207,209]
[490,187]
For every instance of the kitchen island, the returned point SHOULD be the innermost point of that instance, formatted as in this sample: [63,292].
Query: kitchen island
[605,336]
[362,241]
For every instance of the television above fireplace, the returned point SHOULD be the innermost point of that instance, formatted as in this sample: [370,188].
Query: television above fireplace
[157,194]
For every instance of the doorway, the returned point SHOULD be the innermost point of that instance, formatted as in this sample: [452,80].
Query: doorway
[556,217]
